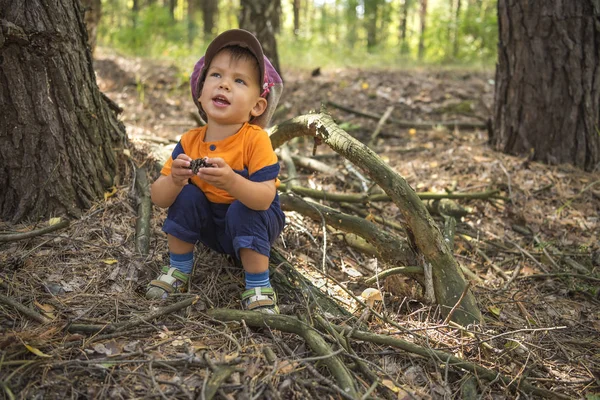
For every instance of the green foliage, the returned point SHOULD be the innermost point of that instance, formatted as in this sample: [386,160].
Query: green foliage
[149,32]
[333,33]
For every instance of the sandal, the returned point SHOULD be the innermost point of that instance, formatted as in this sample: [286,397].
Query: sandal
[261,299]
[170,281]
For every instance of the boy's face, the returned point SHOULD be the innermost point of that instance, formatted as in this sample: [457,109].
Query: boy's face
[231,93]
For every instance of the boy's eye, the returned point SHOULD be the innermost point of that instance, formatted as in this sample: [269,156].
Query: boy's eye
[215,74]
[238,80]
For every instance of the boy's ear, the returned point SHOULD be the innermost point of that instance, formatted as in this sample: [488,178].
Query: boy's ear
[259,108]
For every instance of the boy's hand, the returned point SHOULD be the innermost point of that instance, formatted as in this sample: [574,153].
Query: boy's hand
[180,172]
[220,175]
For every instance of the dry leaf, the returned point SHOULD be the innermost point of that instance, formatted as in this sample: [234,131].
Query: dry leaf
[47,309]
[286,367]
[495,310]
[54,221]
[107,195]
[36,351]
[110,261]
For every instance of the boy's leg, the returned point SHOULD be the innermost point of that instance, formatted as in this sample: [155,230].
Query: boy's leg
[256,269]
[252,233]
[174,278]
[188,221]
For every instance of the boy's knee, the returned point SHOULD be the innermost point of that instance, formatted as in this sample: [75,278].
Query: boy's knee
[190,197]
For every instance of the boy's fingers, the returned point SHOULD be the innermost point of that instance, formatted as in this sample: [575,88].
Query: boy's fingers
[218,161]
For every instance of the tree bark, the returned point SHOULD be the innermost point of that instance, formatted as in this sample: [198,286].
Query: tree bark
[261,17]
[58,136]
[547,100]
[449,282]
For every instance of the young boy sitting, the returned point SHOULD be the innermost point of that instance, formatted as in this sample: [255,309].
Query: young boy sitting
[231,204]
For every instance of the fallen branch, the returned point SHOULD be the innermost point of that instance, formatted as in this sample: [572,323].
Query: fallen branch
[120,326]
[317,166]
[9,237]
[442,207]
[380,124]
[292,325]
[393,271]
[289,324]
[287,279]
[412,124]
[23,309]
[449,359]
[144,211]
[218,376]
[292,174]
[390,247]
[449,282]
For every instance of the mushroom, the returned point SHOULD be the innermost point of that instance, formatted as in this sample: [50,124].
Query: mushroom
[371,296]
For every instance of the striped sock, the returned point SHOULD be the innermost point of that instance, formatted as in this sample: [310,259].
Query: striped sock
[257,280]
[183,262]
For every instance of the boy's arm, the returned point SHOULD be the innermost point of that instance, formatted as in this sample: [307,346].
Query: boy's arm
[166,188]
[254,195]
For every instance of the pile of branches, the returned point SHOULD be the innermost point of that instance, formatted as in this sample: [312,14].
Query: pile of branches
[85,330]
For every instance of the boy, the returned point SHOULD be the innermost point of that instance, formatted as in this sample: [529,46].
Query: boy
[231,205]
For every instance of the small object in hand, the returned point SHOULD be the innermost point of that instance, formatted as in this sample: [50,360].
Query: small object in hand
[199,163]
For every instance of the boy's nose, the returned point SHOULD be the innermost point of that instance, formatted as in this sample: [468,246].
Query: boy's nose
[224,85]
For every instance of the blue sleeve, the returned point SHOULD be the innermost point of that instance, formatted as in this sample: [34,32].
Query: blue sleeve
[267,173]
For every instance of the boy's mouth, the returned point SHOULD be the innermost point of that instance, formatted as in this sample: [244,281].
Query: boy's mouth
[220,100]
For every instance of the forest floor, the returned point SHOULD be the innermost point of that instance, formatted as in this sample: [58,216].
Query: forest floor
[533,259]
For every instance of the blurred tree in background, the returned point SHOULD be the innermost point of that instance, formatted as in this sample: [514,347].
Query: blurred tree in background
[309,32]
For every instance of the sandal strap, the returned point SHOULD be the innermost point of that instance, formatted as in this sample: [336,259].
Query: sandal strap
[259,297]
[169,273]
[163,285]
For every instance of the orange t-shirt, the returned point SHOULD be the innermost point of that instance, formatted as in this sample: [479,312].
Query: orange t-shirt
[249,153]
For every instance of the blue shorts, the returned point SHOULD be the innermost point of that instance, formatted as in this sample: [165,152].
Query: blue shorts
[225,228]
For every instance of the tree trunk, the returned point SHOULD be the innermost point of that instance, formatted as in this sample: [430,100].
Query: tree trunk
[423,17]
[210,10]
[296,5]
[351,23]
[371,7]
[404,47]
[261,17]
[456,35]
[192,31]
[547,100]
[172,7]
[93,12]
[58,136]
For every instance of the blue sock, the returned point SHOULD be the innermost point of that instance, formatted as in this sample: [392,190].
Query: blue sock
[257,280]
[183,262]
